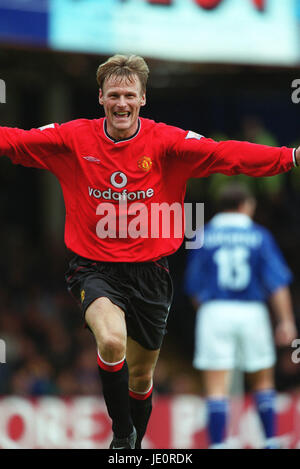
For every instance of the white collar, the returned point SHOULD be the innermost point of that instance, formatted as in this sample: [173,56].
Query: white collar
[237,220]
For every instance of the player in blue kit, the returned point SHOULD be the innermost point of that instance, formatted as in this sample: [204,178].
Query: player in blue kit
[229,280]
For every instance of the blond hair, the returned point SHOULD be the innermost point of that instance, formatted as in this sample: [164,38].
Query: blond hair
[124,66]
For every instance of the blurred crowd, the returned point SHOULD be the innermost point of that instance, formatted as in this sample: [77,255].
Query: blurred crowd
[48,348]
[49,351]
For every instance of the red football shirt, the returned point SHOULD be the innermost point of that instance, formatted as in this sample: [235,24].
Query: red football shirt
[111,187]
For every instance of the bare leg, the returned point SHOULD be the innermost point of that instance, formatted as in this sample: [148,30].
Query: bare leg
[107,322]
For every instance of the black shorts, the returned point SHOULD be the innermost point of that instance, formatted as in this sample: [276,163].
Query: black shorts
[143,290]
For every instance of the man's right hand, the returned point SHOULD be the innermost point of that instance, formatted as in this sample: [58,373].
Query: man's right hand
[285,333]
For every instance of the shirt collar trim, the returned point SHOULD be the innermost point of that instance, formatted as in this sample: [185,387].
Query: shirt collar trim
[124,139]
[231,219]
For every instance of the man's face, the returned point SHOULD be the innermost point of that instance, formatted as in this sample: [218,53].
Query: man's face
[122,100]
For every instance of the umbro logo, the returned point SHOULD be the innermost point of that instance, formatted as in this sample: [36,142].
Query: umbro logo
[92,159]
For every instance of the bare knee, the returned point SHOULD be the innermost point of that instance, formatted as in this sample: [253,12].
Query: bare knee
[107,323]
[216,383]
[112,347]
[140,380]
[261,380]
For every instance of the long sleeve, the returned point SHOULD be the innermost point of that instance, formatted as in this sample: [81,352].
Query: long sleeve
[198,156]
[35,147]
[233,157]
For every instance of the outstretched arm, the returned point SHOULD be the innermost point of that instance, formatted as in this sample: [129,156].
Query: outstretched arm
[35,147]
[197,156]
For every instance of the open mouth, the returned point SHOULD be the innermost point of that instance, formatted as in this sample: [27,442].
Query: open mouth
[122,115]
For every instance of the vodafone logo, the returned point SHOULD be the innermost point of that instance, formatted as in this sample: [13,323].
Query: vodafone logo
[118,179]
